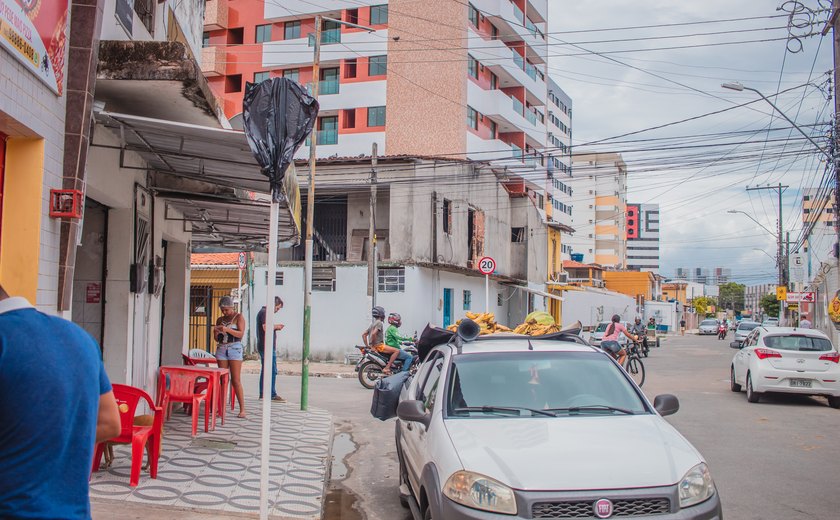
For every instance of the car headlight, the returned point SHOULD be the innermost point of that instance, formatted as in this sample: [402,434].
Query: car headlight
[479,492]
[696,486]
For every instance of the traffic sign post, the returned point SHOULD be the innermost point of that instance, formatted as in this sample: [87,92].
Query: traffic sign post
[781,293]
[486,266]
[800,297]
[241,263]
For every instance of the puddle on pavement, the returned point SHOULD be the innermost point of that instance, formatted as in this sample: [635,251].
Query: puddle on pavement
[340,503]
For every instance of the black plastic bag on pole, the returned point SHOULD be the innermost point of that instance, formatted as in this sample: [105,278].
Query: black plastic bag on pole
[279,115]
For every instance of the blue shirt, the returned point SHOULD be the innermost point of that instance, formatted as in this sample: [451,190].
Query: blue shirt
[51,377]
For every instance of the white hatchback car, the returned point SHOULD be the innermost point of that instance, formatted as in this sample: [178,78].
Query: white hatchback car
[788,360]
[514,427]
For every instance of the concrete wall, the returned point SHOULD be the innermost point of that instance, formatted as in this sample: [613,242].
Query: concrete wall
[30,110]
[591,306]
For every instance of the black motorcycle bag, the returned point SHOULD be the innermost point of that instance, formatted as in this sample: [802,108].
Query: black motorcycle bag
[386,395]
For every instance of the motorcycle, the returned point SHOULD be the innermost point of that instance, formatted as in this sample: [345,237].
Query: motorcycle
[372,363]
[722,332]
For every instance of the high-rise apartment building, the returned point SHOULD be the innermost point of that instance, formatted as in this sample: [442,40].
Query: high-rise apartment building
[818,219]
[704,275]
[600,223]
[643,237]
[433,78]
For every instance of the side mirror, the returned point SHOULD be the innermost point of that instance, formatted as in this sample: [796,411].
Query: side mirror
[666,404]
[413,411]
[735,344]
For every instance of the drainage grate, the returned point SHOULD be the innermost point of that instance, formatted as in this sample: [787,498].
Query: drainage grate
[216,444]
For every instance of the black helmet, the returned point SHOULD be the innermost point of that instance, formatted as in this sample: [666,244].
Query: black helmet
[378,313]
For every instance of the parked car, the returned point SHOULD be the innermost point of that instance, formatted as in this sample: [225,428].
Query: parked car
[743,330]
[786,360]
[770,322]
[708,327]
[516,427]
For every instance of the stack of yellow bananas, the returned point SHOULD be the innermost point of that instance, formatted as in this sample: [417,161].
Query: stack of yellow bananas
[487,322]
[533,328]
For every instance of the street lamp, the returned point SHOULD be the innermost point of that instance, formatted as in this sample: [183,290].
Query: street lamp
[766,253]
[751,218]
[734,85]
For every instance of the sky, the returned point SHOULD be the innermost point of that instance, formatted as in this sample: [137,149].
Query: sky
[694,176]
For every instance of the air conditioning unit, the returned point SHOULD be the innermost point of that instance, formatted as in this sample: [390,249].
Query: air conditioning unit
[559,277]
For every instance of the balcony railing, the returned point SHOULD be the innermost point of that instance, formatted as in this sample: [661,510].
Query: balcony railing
[327,86]
[213,61]
[518,107]
[516,152]
[531,71]
[325,137]
[215,15]
[531,117]
[519,60]
[328,37]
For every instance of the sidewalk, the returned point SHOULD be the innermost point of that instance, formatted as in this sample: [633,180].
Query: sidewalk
[216,474]
[293,368]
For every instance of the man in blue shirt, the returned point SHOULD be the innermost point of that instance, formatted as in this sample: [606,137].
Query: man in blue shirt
[56,404]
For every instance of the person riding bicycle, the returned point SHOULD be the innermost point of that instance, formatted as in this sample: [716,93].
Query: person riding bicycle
[610,342]
[394,339]
[640,331]
[374,337]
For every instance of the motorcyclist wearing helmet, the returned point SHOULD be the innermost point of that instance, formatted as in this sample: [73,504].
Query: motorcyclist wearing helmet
[393,339]
[374,337]
[640,331]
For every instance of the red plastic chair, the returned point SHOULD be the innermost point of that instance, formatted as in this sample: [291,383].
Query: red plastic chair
[138,436]
[182,389]
[200,386]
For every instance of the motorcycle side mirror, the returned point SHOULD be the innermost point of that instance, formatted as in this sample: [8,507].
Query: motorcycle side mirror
[414,411]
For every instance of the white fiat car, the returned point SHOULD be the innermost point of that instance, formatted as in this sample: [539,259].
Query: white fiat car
[514,427]
[787,360]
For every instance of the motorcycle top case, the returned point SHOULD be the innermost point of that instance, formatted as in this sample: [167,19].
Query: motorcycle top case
[386,395]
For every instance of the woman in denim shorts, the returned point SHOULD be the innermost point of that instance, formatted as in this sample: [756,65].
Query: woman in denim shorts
[229,329]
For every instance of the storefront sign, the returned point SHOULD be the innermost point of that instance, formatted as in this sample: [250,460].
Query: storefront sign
[93,292]
[125,15]
[34,32]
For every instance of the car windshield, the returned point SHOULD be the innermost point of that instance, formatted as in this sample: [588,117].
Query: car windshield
[747,326]
[527,384]
[601,327]
[708,322]
[799,343]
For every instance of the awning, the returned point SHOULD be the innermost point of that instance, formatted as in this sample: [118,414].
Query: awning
[224,213]
[538,292]
[220,278]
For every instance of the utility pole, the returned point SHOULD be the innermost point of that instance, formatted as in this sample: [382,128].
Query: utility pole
[310,208]
[781,260]
[371,289]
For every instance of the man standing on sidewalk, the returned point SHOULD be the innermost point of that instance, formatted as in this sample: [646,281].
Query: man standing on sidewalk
[57,403]
[278,304]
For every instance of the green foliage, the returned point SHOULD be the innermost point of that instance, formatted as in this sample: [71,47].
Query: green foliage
[769,304]
[701,304]
[731,296]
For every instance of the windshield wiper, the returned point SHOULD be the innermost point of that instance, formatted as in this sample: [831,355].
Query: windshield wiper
[594,407]
[516,410]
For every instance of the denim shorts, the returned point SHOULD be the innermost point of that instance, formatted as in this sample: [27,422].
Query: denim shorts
[611,346]
[231,351]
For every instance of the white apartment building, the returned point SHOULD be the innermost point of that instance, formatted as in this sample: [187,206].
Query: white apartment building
[753,295]
[559,192]
[643,237]
[599,181]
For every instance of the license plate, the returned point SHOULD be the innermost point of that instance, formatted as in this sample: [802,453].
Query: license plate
[800,383]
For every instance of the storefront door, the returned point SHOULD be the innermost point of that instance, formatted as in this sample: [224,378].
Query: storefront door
[89,275]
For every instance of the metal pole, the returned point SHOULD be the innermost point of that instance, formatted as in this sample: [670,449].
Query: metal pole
[310,217]
[835,22]
[782,259]
[371,289]
[486,293]
[268,358]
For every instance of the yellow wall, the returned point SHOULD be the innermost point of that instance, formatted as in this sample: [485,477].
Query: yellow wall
[673,292]
[610,200]
[22,206]
[555,264]
[606,259]
[630,283]
[606,229]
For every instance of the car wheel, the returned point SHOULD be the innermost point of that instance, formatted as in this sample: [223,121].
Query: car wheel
[834,402]
[735,387]
[752,396]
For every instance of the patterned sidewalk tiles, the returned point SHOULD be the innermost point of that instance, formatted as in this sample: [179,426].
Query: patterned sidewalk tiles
[220,470]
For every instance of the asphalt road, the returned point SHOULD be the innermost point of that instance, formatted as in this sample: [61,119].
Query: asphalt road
[774,460]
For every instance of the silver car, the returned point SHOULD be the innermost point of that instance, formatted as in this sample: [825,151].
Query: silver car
[744,329]
[708,327]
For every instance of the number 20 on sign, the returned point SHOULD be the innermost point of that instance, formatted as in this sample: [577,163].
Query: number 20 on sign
[486,266]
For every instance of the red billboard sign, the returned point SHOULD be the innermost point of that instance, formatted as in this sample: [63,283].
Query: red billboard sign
[34,32]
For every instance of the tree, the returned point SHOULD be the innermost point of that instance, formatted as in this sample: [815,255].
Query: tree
[769,304]
[731,296]
[701,304]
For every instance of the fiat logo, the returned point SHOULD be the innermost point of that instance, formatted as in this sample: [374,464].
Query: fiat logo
[603,508]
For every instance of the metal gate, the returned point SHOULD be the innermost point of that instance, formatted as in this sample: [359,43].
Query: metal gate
[204,310]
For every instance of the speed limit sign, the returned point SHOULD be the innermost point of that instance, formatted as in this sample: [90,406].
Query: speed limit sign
[486,265]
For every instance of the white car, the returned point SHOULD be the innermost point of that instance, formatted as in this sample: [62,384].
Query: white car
[601,330]
[518,427]
[770,322]
[743,330]
[788,360]
[708,327]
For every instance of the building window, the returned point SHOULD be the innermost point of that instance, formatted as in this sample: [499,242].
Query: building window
[392,279]
[292,30]
[467,300]
[494,129]
[264,33]
[494,81]
[292,74]
[350,68]
[205,42]
[447,216]
[236,36]
[376,116]
[379,14]
[472,66]
[494,32]
[472,118]
[473,14]
[349,118]
[499,299]
[323,279]
[517,234]
[278,278]
[353,16]
[328,130]
[377,66]
[259,77]
[145,10]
